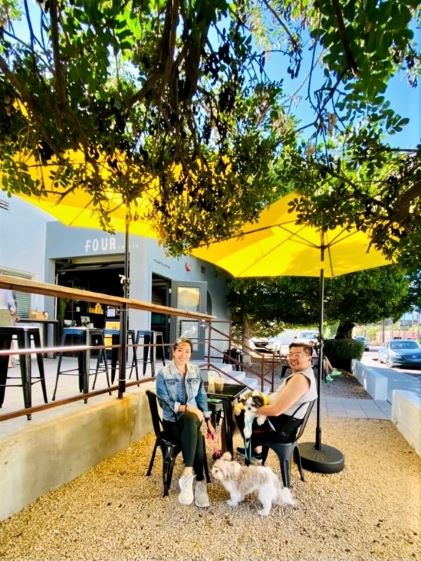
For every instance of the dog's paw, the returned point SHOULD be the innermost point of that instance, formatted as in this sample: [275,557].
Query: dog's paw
[227,456]
[261,419]
[230,502]
[263,512]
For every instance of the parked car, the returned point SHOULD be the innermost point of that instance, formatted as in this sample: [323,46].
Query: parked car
[276,346]
[401,352]
[308,337]
[363,340]
[259,344]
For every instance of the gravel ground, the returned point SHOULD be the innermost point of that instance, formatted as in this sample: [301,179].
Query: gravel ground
[369,511]
[345,386]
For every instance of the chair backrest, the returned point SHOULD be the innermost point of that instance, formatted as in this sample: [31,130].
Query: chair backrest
[157,419]
[158,426]
[305,419]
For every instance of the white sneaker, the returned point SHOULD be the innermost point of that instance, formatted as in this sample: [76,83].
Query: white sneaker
[201,494]
[186,486]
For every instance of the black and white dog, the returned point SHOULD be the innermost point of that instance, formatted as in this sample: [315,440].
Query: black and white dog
[250,403]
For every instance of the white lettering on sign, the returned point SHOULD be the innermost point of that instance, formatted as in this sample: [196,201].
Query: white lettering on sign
[96,245]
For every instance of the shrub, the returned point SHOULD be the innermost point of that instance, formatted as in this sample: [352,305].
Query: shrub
[340,352]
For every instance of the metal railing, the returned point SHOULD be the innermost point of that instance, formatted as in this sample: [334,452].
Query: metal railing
[46,289]
[268,363]
[218,346]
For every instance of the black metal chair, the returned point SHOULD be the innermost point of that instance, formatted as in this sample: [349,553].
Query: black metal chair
[287,450]
[170,450]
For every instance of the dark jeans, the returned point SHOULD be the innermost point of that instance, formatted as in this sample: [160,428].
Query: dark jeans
[187,434]
[284,429]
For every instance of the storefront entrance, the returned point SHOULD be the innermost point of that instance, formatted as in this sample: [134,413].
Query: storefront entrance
[93,274]
[97,275]
[191,296]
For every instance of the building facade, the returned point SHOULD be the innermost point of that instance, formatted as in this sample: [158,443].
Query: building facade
[33,245]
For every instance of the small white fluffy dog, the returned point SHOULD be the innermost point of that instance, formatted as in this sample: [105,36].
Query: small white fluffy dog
[240,481]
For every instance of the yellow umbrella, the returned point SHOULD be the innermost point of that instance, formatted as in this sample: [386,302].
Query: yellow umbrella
[77,208]
[278,245]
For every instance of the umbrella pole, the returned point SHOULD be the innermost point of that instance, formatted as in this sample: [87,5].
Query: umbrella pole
[318,457]
[124,317]
[321,343]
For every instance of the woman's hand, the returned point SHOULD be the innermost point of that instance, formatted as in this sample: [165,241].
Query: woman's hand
[211,428]
[199,414]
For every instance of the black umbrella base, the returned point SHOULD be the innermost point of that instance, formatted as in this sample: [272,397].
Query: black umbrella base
[324,460]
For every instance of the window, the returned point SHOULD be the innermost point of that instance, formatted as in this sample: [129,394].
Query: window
[23,299]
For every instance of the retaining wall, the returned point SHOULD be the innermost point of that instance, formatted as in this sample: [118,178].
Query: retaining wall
[40,458]
[373,382]
[406,405]
[406,414]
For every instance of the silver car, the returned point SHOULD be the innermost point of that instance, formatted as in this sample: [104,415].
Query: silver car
[363,340]
[401,352]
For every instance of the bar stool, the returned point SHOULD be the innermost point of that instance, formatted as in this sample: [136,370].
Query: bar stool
[145,337]
[149,340]
[158,339]
[115,338]
[24,334]
[86,336]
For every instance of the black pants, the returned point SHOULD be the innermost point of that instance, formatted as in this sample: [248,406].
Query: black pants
[282,428]
[188,435]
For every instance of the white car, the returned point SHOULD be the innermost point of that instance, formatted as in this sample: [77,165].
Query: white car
[309,336]
[279,345]
[401,352]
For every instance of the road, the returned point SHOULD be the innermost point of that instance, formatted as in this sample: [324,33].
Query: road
[399,378]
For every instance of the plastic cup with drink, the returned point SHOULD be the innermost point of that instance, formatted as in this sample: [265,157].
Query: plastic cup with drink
[211,381]
[219,384]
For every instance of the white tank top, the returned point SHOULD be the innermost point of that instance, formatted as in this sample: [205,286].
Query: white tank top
[310,394]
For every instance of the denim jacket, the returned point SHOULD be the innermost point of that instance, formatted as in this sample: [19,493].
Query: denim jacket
[170,386]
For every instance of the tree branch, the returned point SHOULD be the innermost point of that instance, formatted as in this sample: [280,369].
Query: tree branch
[404,201]
[166,54]
[28,19]
[282,24]
[59,75]
[352,65]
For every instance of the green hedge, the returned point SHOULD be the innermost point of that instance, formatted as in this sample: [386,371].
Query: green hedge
[340,352]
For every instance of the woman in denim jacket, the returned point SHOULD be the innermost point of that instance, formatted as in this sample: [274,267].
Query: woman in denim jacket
[180,384]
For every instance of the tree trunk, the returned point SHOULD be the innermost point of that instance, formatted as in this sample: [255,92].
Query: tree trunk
[245,339]
[246,331]
[344,330]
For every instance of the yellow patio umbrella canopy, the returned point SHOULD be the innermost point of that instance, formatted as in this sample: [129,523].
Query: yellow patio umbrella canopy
[276,245]
[76,207]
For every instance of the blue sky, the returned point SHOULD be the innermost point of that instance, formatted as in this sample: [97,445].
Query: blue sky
[407,102]
[404,99]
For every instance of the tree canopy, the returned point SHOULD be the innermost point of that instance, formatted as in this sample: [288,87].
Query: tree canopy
[179,95]
[159,93]
[358,298]
[346,165]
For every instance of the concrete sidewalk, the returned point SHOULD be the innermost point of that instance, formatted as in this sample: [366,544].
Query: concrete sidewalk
[354,408]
